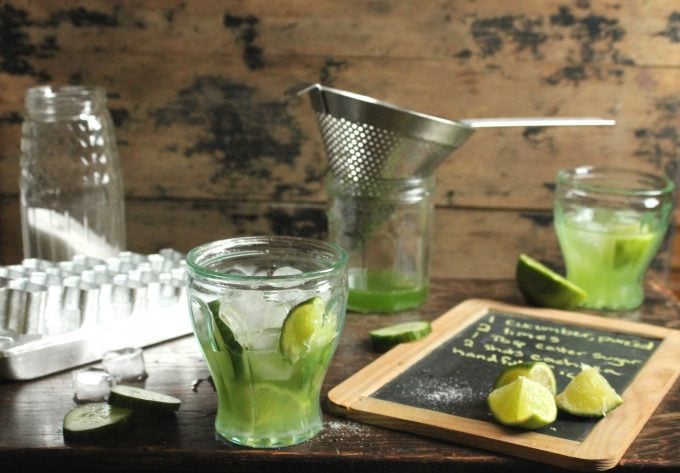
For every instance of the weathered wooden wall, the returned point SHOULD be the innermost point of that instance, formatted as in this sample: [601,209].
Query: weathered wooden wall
[215,142]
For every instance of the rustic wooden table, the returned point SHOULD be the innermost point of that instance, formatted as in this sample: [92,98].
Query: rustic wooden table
[31,415]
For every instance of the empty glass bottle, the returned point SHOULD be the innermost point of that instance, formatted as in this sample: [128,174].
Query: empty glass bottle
[72,199]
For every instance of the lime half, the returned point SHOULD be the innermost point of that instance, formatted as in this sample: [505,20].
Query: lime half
[589,394]
[523,403]
[299,327]
[543,287]
[538,371]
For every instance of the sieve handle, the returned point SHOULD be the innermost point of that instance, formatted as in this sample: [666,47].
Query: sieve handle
[535,121]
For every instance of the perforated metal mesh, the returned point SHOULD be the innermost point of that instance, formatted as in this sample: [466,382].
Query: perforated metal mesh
[361,155]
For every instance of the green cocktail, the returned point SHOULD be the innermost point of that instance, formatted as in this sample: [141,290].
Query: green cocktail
[607,254]
[266,398]
[385,292]
[267,313]
[610,223]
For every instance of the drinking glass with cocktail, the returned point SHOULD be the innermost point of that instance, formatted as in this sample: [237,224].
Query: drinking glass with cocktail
[267,313]
[610,223]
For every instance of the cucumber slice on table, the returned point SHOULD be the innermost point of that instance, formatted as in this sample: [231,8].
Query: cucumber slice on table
[385,338]
[94,421]
[142,400]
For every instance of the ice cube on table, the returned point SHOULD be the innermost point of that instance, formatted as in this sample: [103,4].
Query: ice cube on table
[126,364]
[91,385]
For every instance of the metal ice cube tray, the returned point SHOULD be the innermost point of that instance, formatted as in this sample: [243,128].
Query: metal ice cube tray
[58,315]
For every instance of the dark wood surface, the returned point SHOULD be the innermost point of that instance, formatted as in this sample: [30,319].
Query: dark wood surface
[31,415]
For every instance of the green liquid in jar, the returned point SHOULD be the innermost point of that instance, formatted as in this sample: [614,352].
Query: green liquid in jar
[385,292]
[607,253]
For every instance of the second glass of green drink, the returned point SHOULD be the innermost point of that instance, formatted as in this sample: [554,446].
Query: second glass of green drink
[610,223]
[267,313]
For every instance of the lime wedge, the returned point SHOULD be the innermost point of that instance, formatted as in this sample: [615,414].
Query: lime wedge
[298,328]
[385,338]
[523,403]
[543,287]
[538,371]
[589,394]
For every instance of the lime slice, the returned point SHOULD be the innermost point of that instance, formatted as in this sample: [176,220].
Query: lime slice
[538,371]
[94,421]
[543,287]
[385,338]
[633,249]
[589,394]
[274,406]
[142,399]
[523,403]
[300,324]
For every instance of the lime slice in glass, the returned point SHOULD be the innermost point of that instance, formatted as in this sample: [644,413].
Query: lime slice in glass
[274,406]
[385,338]
[589,394]
[543,287]
[299,326]
[538,371]
[632,250]
[524,404]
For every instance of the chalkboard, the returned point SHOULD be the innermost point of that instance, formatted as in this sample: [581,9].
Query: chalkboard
[458,374]
[437,386]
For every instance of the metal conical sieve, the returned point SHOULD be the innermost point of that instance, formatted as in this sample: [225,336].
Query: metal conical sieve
[367,140]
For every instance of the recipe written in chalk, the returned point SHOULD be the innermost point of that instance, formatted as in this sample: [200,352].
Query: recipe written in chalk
[457,375]
[503,340]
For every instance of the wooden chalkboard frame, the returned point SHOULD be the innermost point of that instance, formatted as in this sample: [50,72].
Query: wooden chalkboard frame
[602,448]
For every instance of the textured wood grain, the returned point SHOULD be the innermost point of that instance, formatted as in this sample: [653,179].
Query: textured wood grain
[209,124]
